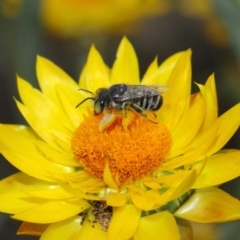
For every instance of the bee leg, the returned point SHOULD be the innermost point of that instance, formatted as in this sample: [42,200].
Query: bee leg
[107,120]
[125,108]
[142,112]
[127,116]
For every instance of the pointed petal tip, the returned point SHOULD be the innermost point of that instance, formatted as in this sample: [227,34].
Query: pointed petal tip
[211,79]
[125,42]
[93,53]
[155,60]
[188,52]
[18,79]
[125,38]
[125,68]
[92,48]
[40,58]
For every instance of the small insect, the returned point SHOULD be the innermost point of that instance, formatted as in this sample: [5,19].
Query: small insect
[140,99]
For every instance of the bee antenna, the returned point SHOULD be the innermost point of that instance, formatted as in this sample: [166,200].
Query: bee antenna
[85,90]
[84,101]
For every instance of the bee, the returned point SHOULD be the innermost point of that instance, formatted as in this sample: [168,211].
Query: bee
[140,99]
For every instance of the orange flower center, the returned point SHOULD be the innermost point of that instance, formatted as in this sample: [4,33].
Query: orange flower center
[131,153]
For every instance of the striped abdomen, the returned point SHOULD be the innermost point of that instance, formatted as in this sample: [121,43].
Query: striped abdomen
[152,103]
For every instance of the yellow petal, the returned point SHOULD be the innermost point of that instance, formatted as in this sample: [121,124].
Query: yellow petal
[46,190]
[18,149]
[157,226]
[220,168]
[86,193]
[191,119]
[16,181]
[179,83]
[140,199]
[16,201]
[124,222]
[166,68]
[82,79]
[151,77]
[174,177]
[68,101]
[203,139]
[54,155]
[228,124]
[185,159]
[125,68]
[191,153]
[174,114]
[90,185]
[155,196]
[209,95]
[42,128]
[12,199]
[185,229]
[116,199]
[151,183]
[24,130]
[57,136]
[74,116]
[210,205]
[62,139]
[95,73]
[33,187]
[80,180]
[68,228]
[32,229]
[23,164]
[50,76]
[53,211]
[83,109]
[177,188]
[107,177]
[211,86]
[35,100]
[91,231]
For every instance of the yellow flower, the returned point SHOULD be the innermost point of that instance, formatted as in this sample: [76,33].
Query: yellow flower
[214,27]
[71,18]
[11,8]
[132,183]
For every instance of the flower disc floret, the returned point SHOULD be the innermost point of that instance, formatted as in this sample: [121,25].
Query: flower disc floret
[131,153]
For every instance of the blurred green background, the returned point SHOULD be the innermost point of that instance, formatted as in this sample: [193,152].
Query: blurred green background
[211,28]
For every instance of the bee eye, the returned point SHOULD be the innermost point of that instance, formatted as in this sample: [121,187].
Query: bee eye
[98,106]
[101,100]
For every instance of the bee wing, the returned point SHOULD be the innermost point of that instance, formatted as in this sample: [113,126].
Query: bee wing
[159,88]
[139,91]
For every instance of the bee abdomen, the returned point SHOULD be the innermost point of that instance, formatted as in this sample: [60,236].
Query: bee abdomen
[150,103]
[157,102]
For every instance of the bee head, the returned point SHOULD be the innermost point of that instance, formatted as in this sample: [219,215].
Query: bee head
[101,100]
